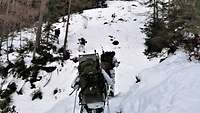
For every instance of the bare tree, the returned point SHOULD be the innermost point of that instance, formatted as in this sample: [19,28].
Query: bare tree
[67,26]
[7,11]
[1,41]
[43,7]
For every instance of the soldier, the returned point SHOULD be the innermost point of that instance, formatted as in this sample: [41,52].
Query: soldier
[108,62]
[93,81]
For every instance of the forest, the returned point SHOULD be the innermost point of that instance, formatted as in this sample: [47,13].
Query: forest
[173,24]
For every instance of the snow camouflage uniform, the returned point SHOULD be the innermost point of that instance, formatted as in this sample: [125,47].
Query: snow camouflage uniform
[93,82]
[108,62]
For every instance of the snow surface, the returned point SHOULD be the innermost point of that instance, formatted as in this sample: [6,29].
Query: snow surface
[168,87]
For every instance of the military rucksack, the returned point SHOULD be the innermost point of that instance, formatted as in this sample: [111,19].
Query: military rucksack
[92,82]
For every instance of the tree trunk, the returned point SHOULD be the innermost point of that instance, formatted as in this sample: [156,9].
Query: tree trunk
[39,28]
[20,39]
[7,48]
[157,10]
[8,7]
[67,27]
[169,7]
[154,11]
[11,44]
[7,31]
[1,41]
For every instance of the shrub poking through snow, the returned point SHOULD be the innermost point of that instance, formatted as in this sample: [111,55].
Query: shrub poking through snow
[75,59]
[37,94]
[12,87]
[115,42]
[55,91]
[4,105]
[5,98]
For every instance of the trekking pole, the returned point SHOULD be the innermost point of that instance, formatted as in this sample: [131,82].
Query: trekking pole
[72,92]
[108,90]
[74,110]
[108,106]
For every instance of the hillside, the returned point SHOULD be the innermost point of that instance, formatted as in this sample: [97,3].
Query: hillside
[170,87]
[167,87]
[98,27]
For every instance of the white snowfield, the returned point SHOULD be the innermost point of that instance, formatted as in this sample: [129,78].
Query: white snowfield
[168,87]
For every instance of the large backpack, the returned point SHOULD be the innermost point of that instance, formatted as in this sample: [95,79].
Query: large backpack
[92,82]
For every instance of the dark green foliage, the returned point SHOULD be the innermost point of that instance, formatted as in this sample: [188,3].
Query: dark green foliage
[34,75]
[154,30]
[60,50]
[163,31]
[168,29]
[42,60]
[56,9]
[159,37]
[37,94]
[4,103]
[197,6]
[75,59]
[65,53]
[6,93]
[5,97]
[4,70]
[21,69]
[45,55]
[12,87]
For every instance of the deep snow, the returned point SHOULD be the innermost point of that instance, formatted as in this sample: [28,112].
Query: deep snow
[168,87]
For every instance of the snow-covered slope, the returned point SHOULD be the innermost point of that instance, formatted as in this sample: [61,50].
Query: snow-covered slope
[170,87]
[98,27]
[164,87]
